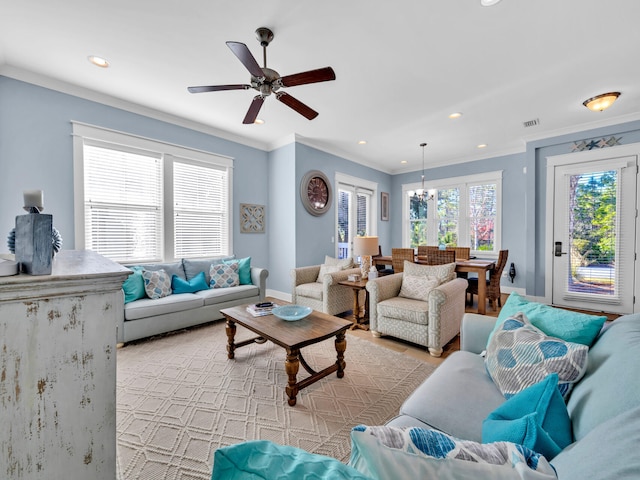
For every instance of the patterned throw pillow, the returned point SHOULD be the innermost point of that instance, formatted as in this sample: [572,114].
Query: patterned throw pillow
[343,263]
[417,287]
[324,269]
[413,452]
[520,355]
[224,275]
[444,273]
[157,283]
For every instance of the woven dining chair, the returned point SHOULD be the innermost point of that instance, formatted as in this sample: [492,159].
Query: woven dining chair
[423,250]
[462,253]
[439,257]
[398,256]
[493,284]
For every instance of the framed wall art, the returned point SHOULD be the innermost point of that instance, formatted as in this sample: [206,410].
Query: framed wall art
[252,218]
[384,206]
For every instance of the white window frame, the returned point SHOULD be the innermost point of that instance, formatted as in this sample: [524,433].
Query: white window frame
[169,153]
[462,183]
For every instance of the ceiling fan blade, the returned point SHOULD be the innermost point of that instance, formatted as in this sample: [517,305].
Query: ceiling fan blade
[254,108]
[312,76]
[243,53]
[217,88]
[297,105]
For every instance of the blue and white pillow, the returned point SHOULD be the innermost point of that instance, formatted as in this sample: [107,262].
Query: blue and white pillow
[224,275]
[520,355]
[157,283]
[384,452]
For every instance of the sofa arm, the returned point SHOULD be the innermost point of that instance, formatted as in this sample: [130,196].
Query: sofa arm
[334,278]
[446,309]
[302,275]
[380,289]
[259,279]
[475,331]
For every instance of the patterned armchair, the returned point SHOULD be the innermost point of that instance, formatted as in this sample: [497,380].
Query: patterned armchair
[325,296]
[432,321]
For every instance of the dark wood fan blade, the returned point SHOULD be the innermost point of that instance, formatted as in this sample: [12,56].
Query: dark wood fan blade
[297,105]
[254,108]
[243,53]
[217,88]
[312,76]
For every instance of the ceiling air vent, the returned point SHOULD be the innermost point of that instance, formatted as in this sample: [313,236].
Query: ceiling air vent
[531,123]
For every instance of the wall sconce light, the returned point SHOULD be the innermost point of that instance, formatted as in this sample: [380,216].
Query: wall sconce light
[601,102]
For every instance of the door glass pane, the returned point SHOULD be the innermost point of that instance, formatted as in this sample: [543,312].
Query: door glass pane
[343,224]
[592,232]
[448,211]
[361,214]
[482,216]
[417,221]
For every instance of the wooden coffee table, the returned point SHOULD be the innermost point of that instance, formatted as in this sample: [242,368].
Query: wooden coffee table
[292,336]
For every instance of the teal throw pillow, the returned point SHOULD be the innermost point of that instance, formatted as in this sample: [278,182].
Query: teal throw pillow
[133,286]
[197,283]
[536,418]
[262,460]
[570,326]
[244,269]
[520,355]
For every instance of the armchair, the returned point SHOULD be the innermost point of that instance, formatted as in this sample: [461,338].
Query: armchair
[326,296]
[432,323]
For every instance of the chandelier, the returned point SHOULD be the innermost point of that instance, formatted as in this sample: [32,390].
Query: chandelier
[421,195]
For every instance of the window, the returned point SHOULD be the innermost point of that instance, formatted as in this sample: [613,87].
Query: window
[459,211]
[140,200]
[355,211]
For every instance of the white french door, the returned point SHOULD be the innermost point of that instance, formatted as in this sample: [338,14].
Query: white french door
[594,230]
[354,213]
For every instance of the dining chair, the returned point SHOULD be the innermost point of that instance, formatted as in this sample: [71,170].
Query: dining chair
[462,253]
[398,256]
[493,283]
[439,257]
[423,250]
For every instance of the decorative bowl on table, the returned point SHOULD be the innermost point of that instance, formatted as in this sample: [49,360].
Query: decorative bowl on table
[291,313]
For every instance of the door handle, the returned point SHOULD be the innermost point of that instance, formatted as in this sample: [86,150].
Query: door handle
[558,250]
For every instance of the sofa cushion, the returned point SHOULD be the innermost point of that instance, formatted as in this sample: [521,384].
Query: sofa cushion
[219,295]
[570,326]
[520,355]
[608,452]
[310,290]
[405,309]
[133,286]
[417,287]
[536,418]
[197,283]
[172,268]
[444,273]
[147,307]
[157,283]
[224,275]
[390,453]
[611,384]
[448,390]
[193,267]
[244,269]
[262,460]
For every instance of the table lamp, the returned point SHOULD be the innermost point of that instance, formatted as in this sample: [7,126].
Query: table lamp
[364,247]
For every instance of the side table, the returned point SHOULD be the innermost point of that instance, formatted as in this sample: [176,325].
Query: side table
[357,288]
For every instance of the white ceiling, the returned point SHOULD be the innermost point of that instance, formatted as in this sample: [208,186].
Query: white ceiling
[402,67]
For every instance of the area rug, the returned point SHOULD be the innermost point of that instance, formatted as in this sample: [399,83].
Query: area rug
[179,399]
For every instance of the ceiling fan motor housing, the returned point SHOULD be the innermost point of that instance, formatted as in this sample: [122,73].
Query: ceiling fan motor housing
[264,35]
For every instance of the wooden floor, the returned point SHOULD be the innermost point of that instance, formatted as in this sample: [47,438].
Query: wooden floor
[417,351]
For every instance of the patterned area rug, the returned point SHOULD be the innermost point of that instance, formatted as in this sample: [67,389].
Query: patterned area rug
[179,399]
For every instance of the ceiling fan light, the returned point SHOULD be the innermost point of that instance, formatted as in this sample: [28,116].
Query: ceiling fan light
[601,102]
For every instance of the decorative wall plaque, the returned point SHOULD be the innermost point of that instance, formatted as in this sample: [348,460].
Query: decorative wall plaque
[252,218]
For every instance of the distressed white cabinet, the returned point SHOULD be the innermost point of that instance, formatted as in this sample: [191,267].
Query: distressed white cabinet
[58,369]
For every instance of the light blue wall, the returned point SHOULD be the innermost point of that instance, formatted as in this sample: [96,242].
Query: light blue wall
[36,153]
[514,182]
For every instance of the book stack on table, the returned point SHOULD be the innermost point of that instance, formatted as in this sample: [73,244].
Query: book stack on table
[261,309]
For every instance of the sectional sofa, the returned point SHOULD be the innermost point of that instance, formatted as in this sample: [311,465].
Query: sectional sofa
[144,316]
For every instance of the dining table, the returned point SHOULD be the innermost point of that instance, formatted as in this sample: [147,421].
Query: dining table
[473,265]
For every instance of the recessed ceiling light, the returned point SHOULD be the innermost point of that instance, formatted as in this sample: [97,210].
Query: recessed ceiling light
[482,145]
[455,115]
[403,161]
[362,142]
[98,61]
[258,121]
[488,3]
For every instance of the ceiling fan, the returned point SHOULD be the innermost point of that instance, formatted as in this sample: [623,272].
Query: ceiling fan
[268,81]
